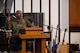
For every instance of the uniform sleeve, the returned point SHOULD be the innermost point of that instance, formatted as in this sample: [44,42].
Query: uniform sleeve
[29,24]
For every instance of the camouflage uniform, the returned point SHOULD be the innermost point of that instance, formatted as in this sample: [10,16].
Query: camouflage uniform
[17,24]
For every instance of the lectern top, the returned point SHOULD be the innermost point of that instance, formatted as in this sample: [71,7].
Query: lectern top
[34,29]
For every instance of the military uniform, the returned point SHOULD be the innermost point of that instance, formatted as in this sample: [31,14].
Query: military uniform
[18,24]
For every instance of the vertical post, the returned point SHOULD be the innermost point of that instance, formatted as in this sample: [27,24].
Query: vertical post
[49,24]
[5,6]
[59,20]
[49,12]
[31,6]
[69,24]
[5,3]
[43,46]
[40,6]
[23,50]
[23,7]
[49,16]
[14,6]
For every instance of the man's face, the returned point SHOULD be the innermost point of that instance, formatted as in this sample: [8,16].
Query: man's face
[19,14]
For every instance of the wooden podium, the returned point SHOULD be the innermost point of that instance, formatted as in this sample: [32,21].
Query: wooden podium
[34,33]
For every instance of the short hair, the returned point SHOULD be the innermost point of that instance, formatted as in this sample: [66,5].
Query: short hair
[19,11]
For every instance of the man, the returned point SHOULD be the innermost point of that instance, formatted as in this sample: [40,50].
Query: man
[19,22]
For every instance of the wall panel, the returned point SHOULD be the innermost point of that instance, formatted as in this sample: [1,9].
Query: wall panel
[27,6]
[36,6]
[45,10]
[2,5]
[18,5]
[64,18]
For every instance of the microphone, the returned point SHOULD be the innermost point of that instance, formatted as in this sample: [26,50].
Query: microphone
[13,16]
